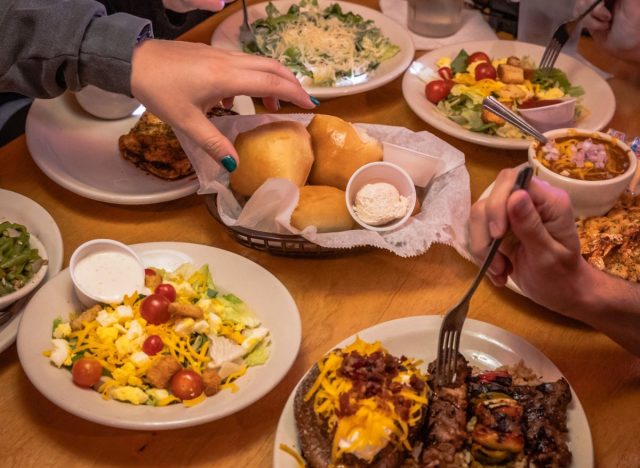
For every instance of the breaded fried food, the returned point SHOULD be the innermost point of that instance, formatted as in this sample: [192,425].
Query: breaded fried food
[152,146]
[612,242]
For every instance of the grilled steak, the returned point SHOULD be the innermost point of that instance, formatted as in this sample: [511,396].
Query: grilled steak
[152,146]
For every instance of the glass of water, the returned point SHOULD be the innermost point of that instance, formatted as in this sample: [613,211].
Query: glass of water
[434,18]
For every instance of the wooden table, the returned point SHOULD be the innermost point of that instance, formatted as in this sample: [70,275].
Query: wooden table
[336,297]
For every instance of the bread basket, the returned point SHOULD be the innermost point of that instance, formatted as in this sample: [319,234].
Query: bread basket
[290,245]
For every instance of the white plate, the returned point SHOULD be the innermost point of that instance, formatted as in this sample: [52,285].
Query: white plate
[598,97]
[263,293]
[20,209]
[484,345]
[80,152]
[226,36]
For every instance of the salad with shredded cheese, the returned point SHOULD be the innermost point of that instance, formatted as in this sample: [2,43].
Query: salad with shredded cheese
[465,80]
[179,340]
[323,47]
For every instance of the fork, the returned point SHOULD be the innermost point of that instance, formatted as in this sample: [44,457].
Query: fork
[492,104]
[451,328]
[560,38]
[247,36]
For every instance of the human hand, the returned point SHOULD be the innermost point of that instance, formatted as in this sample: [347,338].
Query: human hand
[180,81]
[543,251]
[618,31]
[183,6]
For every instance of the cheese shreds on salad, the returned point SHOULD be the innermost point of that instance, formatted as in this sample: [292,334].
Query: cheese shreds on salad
[208,332]
[323,47]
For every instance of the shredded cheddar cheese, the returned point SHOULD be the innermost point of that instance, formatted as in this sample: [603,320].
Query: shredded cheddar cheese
[375,421]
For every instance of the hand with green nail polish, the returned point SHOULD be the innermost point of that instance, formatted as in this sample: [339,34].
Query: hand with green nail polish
[190,78]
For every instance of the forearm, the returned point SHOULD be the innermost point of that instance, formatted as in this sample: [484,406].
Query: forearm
[610,305]
[47,46]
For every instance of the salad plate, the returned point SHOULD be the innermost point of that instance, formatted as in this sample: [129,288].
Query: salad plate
[226,36]
[265,295]
[598,98]
[485,346]
[22,210]
[80,152]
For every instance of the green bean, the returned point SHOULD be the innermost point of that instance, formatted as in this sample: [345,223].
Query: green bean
[18,261]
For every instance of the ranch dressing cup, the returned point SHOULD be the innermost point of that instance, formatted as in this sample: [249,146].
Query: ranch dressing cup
[104,270]
[434,18]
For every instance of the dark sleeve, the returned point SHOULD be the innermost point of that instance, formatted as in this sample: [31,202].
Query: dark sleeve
[166,23]
[47,46]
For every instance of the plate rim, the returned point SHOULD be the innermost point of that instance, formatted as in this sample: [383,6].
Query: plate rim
[407,51]
[55,252]
[176,422]
[443,124]
[37,146]
[479,328]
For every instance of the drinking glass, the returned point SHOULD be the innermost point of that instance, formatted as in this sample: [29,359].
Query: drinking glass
[434,18]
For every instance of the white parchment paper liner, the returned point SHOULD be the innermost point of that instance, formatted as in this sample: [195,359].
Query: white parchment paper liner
[444,210]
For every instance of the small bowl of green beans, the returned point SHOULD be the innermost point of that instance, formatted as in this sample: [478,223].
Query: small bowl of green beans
[23,262]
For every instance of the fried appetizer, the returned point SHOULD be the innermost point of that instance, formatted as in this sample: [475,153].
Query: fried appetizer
[360,407]
[612,242]
[152,146]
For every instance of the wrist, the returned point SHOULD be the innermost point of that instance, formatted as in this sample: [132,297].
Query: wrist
[586,299]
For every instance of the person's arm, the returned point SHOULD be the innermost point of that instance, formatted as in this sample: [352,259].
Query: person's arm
[47,46]
[543,257]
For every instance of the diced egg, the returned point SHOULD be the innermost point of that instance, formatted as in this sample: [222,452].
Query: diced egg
[107,334]
[123,373]
[185,289]
[123,346]
[214,322]
[60,351]
[106,319]
[552,93]
[135,330]
[184,326]
[133,395]
[201,326]
[157,393]
[124,311]
[253,337]
[443,62]
[62,330]
[139,358]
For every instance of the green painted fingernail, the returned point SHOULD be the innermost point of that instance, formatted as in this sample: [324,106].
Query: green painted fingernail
[229,163]
[314,100]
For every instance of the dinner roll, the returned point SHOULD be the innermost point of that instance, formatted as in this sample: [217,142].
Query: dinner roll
[339,150]
[277,149]
[324,207]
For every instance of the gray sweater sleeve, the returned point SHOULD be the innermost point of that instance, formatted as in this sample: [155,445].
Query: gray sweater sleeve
[47,46]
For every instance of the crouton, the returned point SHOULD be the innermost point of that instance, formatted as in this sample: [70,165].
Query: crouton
[87,316]
[510,74]
[489,117]
[162,369]
[186,310]
[514,61]
[211,380]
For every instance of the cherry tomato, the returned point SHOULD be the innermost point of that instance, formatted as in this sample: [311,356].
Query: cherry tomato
[187,384]
[167,291]
[437,90]
[485,70]
[478,57]
[445,73]
[152,345]
[155,309]
[149,272]
[86,372]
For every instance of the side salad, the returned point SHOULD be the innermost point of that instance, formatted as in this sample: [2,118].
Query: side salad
[323,47]
[464,81]
[180,340]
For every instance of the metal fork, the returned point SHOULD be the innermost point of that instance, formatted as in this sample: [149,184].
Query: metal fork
[492,104]
[247,37]
[451,328]
[560,38]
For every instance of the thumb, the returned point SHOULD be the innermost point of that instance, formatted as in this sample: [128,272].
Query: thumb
[525,222]
[200,130]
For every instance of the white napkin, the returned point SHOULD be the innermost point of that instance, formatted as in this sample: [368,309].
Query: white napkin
[442,218]
[474,27]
